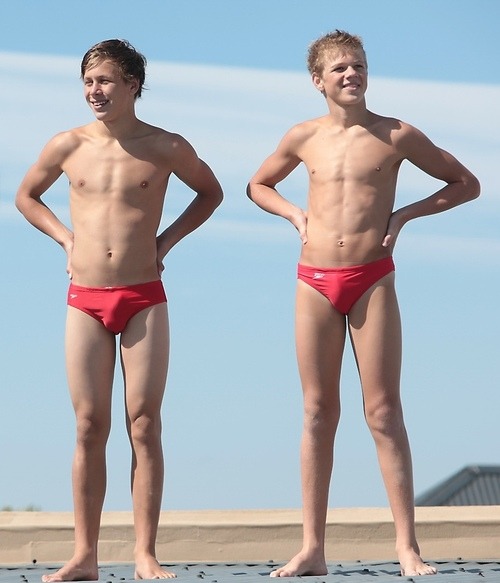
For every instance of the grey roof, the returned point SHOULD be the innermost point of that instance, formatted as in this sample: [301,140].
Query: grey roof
[457,571]
[471,486]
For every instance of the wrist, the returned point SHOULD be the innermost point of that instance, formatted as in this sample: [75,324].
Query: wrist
[295,214]
[67,242]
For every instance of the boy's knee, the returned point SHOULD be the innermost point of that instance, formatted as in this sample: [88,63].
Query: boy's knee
[385,419]
[145,429]
[319,414]
[91,432]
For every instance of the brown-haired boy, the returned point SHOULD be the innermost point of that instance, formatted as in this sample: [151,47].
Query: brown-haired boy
[346,278]
[118,168]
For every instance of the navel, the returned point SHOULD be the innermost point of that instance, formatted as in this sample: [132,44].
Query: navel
[340,242]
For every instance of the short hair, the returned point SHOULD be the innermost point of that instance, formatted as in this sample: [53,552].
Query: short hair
[339,40]
[130,62]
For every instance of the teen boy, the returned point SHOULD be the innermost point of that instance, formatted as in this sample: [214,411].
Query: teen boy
[346,278]
[118,169]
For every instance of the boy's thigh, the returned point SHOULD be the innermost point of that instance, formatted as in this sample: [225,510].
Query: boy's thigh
[320,337]
[375,330]
[145,345]
[90,361]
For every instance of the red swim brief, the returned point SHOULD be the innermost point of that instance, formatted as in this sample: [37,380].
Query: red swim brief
[343,286]
[114,306]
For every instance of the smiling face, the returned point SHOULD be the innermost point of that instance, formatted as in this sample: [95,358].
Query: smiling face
[108,94]
[343,76]
[130,62]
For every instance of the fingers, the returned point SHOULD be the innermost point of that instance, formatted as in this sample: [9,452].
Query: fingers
[301,227]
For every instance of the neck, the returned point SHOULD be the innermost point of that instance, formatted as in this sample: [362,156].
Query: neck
[348,115]
[124,127]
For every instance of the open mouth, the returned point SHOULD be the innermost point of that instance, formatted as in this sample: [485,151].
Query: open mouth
[99,104]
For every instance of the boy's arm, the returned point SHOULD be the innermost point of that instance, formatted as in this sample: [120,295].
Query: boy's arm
[461,185]
[38,180]
[262,187]
[197,175]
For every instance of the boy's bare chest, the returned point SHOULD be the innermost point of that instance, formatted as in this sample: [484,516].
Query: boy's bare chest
[356,157]
[113,170]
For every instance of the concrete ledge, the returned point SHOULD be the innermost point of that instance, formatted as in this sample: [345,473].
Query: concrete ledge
[468,532]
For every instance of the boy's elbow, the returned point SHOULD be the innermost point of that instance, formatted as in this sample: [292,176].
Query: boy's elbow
[219,198]
[251,187]
[473,187]
[249,191]
[19,201]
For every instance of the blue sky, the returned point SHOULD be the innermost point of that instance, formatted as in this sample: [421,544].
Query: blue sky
[230,77]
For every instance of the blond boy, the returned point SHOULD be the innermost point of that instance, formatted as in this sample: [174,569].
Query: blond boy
[346,278]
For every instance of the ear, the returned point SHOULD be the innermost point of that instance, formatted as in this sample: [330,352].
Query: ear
[134,86]
[318,82]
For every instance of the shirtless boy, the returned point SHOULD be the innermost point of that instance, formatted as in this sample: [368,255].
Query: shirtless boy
[346,278]
[118,168]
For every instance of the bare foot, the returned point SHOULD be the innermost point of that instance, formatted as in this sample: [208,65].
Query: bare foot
[412,564]
[303,564]
[74,571]
[149,568]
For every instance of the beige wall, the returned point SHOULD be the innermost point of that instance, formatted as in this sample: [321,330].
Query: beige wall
[468,532]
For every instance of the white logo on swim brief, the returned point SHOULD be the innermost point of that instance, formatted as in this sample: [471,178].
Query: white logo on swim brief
[318,275]
[73,296]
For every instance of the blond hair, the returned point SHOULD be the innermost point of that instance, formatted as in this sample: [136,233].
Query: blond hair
[339,41]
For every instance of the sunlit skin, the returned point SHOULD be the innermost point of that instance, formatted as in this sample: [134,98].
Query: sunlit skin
[352,157]
[106,93]
[118,169]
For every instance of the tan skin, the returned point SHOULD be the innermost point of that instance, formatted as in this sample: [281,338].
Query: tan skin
[353,157]
[118,168]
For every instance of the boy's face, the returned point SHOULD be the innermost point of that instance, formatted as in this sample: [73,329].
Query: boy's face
[106,92]
[344,77]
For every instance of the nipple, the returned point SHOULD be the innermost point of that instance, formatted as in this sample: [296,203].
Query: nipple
[377,168]
[81,183]
[144,184]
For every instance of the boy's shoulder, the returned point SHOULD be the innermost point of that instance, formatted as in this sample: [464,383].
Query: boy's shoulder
[304,130]
[311,125]
[389,122]
[66,141]
[71,134]
[161,136]
[397,130]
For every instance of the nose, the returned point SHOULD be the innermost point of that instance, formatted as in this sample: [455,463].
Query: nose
[93,88]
